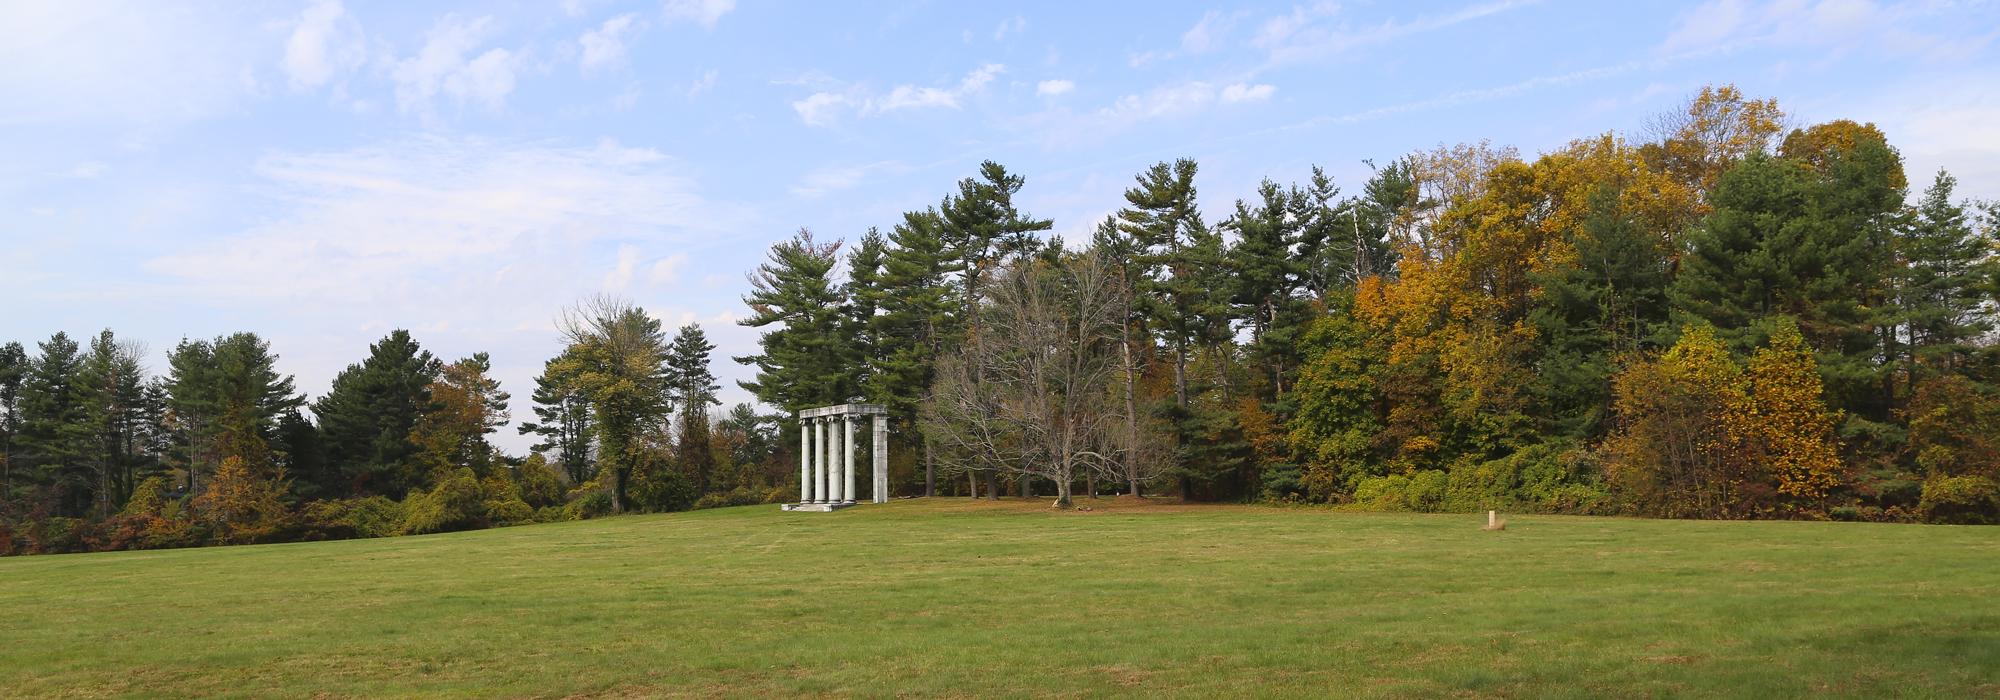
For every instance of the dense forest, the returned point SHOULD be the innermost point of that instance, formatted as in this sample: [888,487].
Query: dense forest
[1724,316]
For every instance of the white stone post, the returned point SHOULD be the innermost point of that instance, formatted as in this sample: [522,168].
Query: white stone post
[881,449]
[805,461]
[821,477]
[847,461]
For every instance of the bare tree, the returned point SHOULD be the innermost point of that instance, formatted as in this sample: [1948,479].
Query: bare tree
[1042,403]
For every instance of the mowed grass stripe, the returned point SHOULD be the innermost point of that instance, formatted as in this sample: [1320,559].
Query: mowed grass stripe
[955,598]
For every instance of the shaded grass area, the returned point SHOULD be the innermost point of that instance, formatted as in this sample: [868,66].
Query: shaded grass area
[948,597]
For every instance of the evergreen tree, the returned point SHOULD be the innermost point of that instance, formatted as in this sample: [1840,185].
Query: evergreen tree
[1590,313]
[693,390]
[1267,278]
[1940,291]
[807,360]
[112,382]
[366,419]
[918,317]
[1182,295]
[564,421]
[55,425]
[250,398]
[14,367]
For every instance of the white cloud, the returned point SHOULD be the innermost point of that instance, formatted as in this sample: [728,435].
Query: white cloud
[1014,25]
[1161,101]
[819,108]
[1842,25]
[825,106]
[441,66]
[1247,93]
[704,84]
[1206,35]
[1051,88]
[325,42]
[620,276]
[912,97]
[667,270]
[146,64]
[834,178]
[703,12]
[604,46]
[1307,33]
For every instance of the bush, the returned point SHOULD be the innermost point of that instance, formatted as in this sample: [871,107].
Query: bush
[350,518]
[60,536]
[661,490]
[739,496]
[455,504]
[589,504]
[1422,492]
[511,511]
[1964,500]
[539,484]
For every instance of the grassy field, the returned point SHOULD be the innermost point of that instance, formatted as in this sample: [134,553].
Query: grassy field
[951,598]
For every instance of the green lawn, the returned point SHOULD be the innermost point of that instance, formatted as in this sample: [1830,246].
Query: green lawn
[951,598]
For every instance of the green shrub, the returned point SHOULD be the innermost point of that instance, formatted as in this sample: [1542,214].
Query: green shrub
[512,511]
[539,484]
[588,505]
[1423,492]
[455,504]
[1964,500]
[739,496]
[661,491]
[350,518]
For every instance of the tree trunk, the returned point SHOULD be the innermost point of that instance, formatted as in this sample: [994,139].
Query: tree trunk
[1131,412]
[1027,484]
[930,470]
[993,484]
[1062,494]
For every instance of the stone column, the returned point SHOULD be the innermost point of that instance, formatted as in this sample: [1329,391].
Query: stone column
[805,460]
[821,475]
[881,448]
[847,461]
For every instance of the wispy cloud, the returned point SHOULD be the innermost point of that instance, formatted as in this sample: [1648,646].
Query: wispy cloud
[325,43]
[1842,25]
[1207,34]
[447,65]
[834,178]
[1052,88]
[1013,25]
[1316,32]
[703,12]
[604,46]
[826,106]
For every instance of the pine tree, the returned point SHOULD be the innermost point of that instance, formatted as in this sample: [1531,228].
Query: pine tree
[564,421]
[1940,286]
[1267,279]
[693,390]
[14,367]
[55,425]
[1590,313]
[807,361]
[366,419]
[251,396]
[918,317]
[114,390]
[1181,292]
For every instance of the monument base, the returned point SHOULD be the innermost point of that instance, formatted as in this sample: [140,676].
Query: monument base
[816,507]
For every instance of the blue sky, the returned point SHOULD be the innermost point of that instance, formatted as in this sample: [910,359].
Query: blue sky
[323,172]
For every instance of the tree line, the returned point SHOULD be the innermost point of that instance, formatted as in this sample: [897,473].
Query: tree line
[96,452]
[1721,317]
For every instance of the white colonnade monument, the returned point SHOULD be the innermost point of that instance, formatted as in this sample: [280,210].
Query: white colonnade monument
[826,455]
